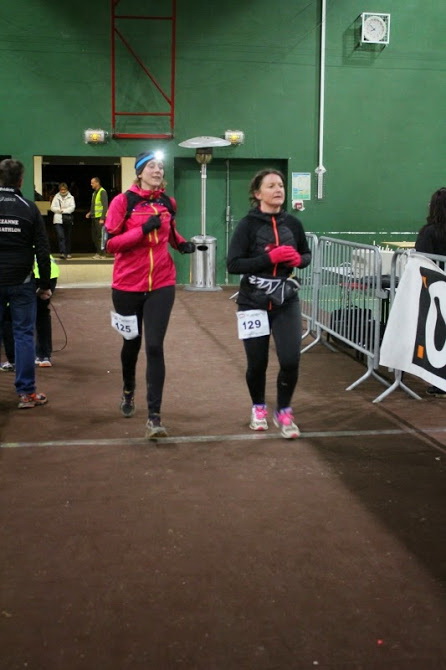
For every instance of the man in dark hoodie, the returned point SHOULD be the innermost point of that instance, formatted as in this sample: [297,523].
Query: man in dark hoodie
[22,235]
[266,246]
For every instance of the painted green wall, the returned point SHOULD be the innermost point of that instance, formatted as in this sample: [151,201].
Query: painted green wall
[253,66]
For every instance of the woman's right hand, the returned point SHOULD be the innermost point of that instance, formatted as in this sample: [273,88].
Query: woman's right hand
[152,223]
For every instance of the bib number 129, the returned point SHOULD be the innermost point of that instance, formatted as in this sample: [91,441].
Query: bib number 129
[252,323]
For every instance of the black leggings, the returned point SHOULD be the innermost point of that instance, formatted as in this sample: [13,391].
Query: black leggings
[286,329]
[153,312]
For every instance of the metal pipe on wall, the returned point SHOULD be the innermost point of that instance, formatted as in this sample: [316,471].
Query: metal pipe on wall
[227,216]
[320,170]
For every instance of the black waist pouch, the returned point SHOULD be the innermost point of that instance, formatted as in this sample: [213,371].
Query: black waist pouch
[275,290]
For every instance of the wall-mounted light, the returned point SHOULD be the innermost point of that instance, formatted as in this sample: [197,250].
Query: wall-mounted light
[95,136]
[235,136]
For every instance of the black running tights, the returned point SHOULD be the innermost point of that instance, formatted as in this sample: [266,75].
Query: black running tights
[153,312]
[286,329]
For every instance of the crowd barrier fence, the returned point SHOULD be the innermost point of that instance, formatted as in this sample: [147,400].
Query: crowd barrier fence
[308,288]
[350,301]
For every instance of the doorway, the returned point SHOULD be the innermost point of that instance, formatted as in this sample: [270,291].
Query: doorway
[76,172]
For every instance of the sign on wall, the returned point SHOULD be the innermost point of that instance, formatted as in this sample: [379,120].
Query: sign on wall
[301,186]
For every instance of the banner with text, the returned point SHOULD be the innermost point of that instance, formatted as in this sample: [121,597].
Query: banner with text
[415,335]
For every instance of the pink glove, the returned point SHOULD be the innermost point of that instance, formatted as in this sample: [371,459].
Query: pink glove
[296,261]
[284,254]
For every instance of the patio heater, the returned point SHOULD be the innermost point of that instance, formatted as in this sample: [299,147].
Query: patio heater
[203,260]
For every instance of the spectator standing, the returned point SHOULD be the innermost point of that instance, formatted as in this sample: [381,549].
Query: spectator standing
[8,342]
[22,235]
[63,206]
[97,214]
[44,338]
[431,239]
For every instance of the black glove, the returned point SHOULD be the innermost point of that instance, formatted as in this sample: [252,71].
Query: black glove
[152,223]
[186,247]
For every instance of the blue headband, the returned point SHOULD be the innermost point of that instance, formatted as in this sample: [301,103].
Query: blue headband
[143,160]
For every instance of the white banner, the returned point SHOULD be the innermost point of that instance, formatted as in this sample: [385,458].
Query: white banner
[415,335]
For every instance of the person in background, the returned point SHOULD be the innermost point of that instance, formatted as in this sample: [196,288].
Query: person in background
[97,214]
[265,247]
[63,206]
[431,239]
[144,277]
[8,342]
[22,235]
[44,339]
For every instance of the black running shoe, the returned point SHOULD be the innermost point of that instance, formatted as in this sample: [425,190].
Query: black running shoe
[128,404]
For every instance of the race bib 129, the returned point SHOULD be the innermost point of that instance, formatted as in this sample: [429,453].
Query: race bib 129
[252,323]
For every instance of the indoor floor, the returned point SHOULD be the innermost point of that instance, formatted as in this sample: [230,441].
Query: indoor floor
[217,548]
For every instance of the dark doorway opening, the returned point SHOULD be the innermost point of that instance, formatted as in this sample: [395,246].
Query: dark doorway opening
[77,172]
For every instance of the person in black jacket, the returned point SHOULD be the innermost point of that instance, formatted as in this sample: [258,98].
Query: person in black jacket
[22,235]
[266,246]
[431,239]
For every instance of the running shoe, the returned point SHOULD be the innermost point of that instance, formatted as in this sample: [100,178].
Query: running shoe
[28,400]
[284,420]
[128,404]
[45,363]
[258,417]
[154,427]
[8,367]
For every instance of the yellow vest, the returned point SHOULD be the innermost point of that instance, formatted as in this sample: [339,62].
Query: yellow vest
[55,271]
[98,209]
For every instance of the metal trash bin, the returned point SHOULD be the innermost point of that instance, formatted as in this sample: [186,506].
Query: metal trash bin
[203,268]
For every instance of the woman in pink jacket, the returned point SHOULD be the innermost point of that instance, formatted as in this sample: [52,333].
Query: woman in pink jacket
[140,224]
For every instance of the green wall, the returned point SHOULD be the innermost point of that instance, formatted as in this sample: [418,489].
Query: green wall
[252,66]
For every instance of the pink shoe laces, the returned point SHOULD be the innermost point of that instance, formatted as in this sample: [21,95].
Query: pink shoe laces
[260,412]
[285,417]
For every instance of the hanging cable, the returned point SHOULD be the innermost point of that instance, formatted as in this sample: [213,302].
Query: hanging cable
[63,329]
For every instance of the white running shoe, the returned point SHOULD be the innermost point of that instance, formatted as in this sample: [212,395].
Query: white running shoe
[154,428]
[284,420]
[258,417]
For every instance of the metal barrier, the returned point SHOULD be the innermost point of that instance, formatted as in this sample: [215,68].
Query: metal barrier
[349,300]
[308,287]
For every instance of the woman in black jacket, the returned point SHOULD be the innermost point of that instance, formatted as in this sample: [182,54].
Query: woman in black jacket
[432,240]
[266,246]
[432,236]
